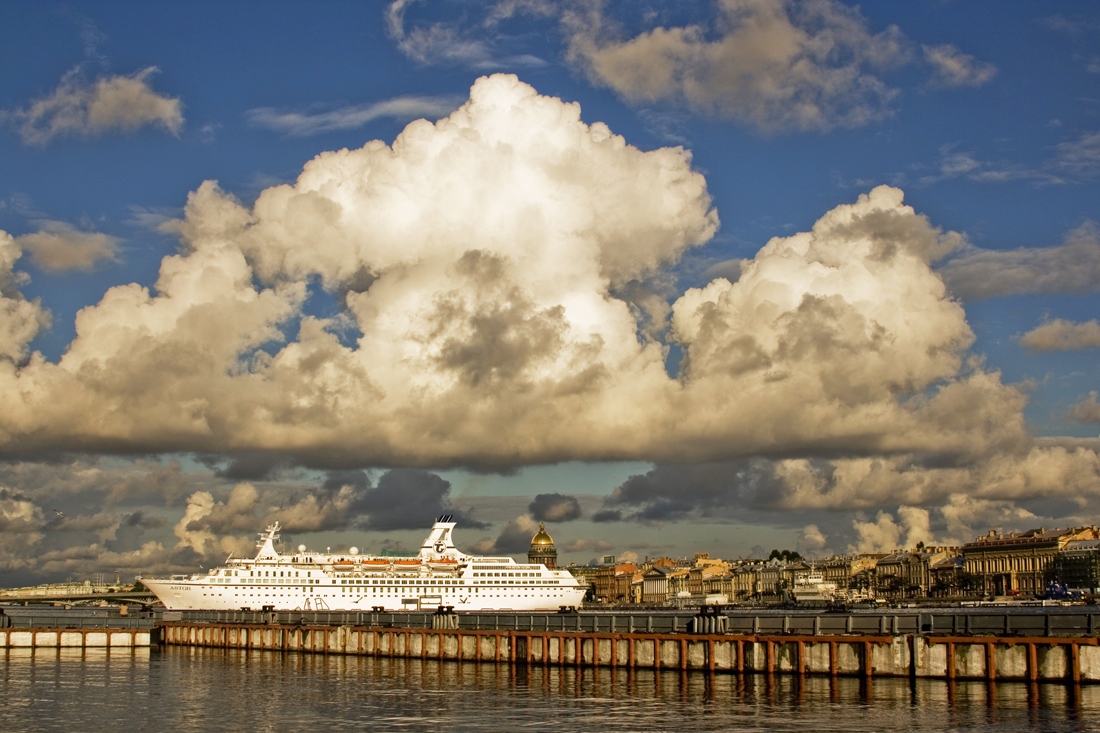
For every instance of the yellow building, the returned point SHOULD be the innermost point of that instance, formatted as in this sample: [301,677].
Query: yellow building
[1018,562]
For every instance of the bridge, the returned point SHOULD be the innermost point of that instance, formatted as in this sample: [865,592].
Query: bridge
[144,598]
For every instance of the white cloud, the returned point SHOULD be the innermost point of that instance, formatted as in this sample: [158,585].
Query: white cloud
[480,256]
[1074,161]
[886,535]
[811,541]
[953,68]
[454,42]
[20,319]
[1087,410]
[59,247]
[917,523]
[1080,157]
[301,124]
[109,103]
[434,43]
[775,65]
[514,538]
[1062,335]
[200,507]
[1073,266]
[966,516]
[955,163]
[881,535]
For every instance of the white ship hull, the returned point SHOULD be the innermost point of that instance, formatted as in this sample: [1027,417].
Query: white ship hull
[307,581]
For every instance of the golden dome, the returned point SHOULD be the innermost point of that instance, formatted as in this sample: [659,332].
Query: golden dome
[542,538]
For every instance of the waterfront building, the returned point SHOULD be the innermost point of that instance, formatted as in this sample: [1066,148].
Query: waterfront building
[840,570]
[775,577]
[655,584]
[908,573]
[949,578]
[743,580]
[718,588]
[1077,566]
[1019,562]
[699,576]
[542,550]
[612,582]
[679,584]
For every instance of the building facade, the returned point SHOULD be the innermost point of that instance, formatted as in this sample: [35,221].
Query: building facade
[1019,563]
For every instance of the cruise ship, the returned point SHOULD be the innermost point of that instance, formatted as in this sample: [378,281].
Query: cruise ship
[438,576]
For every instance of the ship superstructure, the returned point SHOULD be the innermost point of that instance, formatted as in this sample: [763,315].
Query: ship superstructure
[438,576]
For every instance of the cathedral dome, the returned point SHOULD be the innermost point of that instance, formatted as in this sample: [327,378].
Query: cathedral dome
[542,538]
[542,550]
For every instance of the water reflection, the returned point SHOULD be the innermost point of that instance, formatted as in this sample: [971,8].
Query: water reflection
[208,690]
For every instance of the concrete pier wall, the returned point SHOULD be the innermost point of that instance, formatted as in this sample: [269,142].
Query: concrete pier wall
[76,638]
[925,656]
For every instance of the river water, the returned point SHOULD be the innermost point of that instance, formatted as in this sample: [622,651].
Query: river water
[189,689]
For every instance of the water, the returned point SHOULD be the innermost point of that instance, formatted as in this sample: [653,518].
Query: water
[188,689]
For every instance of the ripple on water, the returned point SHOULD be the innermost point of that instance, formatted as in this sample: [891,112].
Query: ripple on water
[185,689]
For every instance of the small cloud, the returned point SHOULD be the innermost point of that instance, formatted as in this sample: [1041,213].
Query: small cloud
[208,132]
[729,269]
[1062,335]
[1072,26]
[953,68]
[89,109]
[555,508]
[152,218]
[1086,411]
[1080,157]
[301,124]
[1073,266]
[961,164]
[811,540]
[587,546]
[455,43]
[60,247]
[773,65]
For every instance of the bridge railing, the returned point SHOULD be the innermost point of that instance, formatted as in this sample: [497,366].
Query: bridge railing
[960,622]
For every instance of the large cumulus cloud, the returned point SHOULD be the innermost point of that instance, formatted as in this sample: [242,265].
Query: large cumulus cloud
[490,240]
[482,260]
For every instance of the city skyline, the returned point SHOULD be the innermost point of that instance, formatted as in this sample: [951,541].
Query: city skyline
[702,277]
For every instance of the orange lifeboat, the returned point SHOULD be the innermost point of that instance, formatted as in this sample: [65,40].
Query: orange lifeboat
[443,563]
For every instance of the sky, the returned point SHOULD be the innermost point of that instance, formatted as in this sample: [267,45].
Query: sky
[670,277]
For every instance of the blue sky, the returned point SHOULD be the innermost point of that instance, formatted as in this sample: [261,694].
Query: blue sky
[985,116]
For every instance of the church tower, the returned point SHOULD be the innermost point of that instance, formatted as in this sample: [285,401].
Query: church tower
[542,549]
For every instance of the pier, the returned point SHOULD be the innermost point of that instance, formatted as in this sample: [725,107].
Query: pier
[55,638]
[45,627]
[1055,646]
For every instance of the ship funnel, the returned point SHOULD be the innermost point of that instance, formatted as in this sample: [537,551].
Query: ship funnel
[439,542]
